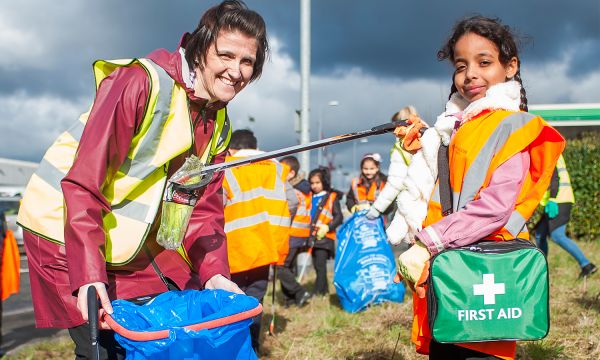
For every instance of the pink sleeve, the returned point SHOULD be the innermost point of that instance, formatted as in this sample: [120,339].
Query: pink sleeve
[205,238]
[118,107]
[480,217]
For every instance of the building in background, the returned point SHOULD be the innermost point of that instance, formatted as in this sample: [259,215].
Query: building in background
[14,176]
[570,119]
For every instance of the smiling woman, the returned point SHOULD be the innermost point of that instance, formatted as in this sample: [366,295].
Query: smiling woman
[228,50]
[91,212]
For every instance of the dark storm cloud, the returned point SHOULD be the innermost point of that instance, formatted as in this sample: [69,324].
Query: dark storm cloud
[390,45]
[401,38]
[385,38]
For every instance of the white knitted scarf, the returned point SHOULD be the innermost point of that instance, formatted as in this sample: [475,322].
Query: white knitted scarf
[421,174]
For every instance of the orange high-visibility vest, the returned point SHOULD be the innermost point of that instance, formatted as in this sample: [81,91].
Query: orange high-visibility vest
[362,195]
[477,149]
[326,215]
[300,227]
[257,218]
[11,264]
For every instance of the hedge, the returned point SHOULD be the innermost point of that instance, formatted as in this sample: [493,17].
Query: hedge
[582,156]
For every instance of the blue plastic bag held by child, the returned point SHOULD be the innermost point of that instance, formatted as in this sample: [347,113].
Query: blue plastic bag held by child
[189,324]
[364,265]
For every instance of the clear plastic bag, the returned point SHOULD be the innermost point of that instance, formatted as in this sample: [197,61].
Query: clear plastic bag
[178,205]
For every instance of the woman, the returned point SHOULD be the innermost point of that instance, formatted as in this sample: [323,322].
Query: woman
[148,116]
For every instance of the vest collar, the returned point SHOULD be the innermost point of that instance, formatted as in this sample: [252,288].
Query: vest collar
[502,96]
[247,152]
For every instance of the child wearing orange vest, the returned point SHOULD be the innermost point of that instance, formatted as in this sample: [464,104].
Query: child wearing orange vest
[365,189]
[500,158]
[325,217]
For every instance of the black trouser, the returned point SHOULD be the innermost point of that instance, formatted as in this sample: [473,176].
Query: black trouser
[254,282]
[319,257]
[287,276]
[454,352]
[109,348]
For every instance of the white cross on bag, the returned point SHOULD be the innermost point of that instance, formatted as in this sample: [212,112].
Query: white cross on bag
[488,289]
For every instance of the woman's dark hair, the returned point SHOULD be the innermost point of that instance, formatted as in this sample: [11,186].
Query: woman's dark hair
[496,32]
[230,15]
[323,174]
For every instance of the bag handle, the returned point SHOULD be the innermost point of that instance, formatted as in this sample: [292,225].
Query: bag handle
[138,335]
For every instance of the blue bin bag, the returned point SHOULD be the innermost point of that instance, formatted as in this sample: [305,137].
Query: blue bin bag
[175,309]
[364,265]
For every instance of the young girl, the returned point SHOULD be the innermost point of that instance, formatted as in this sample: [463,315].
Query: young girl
[501,161]
[399,161]
[325,217]
[366,188]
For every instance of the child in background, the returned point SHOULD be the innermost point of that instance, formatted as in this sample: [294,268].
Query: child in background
[325,217]
[293,292]
[399,161]
[500,159]
[557,203]
[366,188]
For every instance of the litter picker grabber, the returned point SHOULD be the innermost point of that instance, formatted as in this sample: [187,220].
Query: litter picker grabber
[92,302]
[304,265]
[197,179]
[272,324]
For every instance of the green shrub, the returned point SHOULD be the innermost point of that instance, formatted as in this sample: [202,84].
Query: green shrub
[582,156]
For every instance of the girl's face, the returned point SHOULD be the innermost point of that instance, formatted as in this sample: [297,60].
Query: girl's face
[316,185]
[369,169]
[477,66]
[228,68]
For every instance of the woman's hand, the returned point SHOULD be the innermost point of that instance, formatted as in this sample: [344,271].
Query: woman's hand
[221,282]
[105,306]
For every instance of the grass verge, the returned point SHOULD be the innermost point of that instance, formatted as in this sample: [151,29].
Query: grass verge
[322,330]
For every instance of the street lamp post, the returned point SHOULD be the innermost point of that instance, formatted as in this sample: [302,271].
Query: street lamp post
[320,126]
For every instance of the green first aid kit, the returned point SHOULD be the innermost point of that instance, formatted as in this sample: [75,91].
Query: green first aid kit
[489,291]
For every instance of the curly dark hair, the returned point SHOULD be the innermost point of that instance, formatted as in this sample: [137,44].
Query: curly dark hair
[230,15]
[492,29]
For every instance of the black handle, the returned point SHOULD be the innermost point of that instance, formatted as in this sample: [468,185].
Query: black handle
[92,300]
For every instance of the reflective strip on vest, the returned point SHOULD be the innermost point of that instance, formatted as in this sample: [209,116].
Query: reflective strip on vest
[257,218]
[136,190]
[326,215]
[565,190]
[300,227]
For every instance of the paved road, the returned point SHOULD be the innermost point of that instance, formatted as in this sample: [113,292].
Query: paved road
[18,325]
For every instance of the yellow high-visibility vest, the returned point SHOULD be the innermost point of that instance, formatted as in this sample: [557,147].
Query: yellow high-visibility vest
[565,190]
[136,190]
[257,218]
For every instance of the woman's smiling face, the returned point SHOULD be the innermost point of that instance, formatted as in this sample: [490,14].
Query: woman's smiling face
[477,66]
[228,67]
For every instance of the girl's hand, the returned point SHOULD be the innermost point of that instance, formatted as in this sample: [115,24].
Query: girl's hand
[221,282]
[413,265]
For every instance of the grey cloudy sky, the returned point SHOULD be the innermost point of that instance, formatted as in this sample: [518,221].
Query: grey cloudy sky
[373,57]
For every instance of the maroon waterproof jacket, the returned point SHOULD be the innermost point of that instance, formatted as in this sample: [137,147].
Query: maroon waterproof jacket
[57,272]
